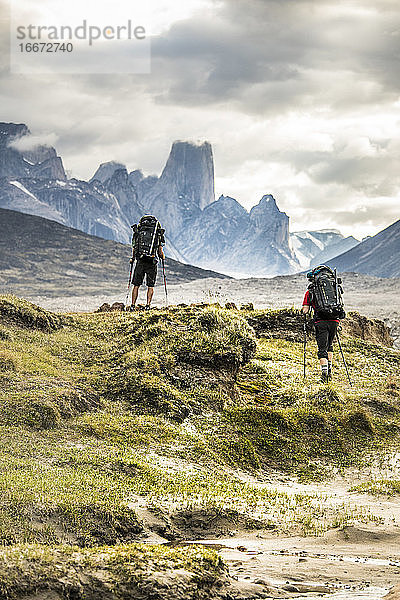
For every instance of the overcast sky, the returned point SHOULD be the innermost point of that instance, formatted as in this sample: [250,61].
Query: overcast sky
[298,98]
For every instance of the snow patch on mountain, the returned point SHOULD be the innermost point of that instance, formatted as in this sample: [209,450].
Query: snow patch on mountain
[316,247]
[19,185]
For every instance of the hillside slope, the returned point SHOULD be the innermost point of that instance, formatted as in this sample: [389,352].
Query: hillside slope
[41,256]
[378,255]
[120,428]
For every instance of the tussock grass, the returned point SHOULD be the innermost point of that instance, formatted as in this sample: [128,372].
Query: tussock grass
[379,487]
[105,408]
[129,430]
[25,314]
[294,421]
[120,572]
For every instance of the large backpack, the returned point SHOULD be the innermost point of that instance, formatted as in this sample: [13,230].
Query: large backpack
[326,293]
[147,236]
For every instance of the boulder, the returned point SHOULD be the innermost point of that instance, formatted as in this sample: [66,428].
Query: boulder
[231,306]
[105,307]
[118,306]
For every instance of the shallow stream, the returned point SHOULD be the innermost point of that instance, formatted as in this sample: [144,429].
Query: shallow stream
[345,576]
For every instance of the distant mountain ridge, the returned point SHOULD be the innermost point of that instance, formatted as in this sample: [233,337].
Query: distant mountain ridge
[226,234]
[219,234]
[183,199]
[40,161]
[40,256]
[317,247]
[378,255]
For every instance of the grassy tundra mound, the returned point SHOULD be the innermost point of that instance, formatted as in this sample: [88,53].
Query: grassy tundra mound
[288,324]
[118,427]
[128,571]
[25,314]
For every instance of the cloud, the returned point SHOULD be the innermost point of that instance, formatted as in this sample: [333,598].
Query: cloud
[268,56]
[299,98]
[30,142]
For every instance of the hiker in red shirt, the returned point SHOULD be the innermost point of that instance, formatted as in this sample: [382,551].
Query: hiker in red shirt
[323,296]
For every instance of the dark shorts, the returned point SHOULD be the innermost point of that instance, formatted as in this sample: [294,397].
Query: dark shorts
[325,332]
[142,268]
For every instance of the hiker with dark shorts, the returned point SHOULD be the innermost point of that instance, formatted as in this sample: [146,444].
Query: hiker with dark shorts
[324,296]
[147,247]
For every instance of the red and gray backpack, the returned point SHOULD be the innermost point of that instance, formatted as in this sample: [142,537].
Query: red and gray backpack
[326,293]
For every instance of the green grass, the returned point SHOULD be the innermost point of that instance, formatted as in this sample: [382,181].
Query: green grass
[293,420]
[118,572]
[377,487]
[55,490]
[127,430]
[23,313]
[98,410]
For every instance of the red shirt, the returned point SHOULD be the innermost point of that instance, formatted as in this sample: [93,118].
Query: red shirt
[308,302]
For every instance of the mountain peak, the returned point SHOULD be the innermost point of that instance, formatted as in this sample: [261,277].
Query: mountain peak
[24,155]
[269,202]
[227,207]
[107,170]
[190,144]
[265,210]
[184,189]
[10,131]
[229,200]
[190,170]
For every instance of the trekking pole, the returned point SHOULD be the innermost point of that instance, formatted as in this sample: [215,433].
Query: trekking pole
[344,361]
[129,283]
[165,283]
[305,345]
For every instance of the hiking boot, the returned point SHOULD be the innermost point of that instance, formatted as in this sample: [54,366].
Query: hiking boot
[147,307]
[131,308]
